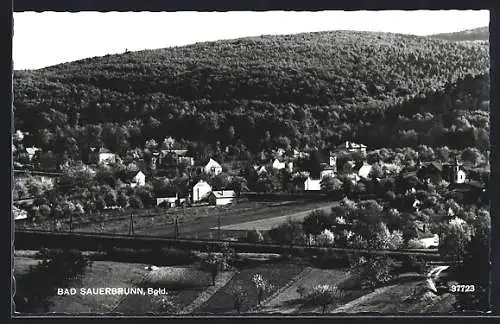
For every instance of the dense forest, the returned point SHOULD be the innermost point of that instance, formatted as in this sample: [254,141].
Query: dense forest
[315,89]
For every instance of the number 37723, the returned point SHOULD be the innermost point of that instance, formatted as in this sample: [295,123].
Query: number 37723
[462,288]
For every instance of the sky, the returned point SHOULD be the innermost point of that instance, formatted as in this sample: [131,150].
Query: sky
[49,38]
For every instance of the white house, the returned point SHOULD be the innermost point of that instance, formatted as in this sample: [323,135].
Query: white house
[312,184]
[365,170]
[138,180]
[201,190]
[106,157]
[222,197]
[212,167]
[351,147]
[19,214]
[277,165]
[32,151]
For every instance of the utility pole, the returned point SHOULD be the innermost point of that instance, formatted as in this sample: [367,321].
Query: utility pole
[131,225]
[176,229]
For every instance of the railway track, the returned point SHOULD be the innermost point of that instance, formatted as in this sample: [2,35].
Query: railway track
[34,239]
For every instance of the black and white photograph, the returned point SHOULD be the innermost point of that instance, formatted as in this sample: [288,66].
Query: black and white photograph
[251,163]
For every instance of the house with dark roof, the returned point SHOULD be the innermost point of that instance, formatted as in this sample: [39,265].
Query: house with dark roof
[430,172]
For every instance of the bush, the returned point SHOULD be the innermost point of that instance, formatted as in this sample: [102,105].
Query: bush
[254,236]
[288,233]
[320,295]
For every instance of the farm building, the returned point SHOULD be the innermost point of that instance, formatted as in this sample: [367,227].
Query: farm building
[201,190]
[212,167]
[222,197]
[166,202]
[312,184]
[169,202]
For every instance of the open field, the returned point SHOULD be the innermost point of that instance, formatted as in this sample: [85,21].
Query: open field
[196,222]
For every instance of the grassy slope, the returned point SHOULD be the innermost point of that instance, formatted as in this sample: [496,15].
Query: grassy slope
[398,298]
[278,274]
[287,302]
[476,34]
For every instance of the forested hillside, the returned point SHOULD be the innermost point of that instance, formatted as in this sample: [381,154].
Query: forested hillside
[385,90]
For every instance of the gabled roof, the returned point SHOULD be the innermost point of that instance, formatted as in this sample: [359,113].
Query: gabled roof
[131,174]
[224,194]
[433,165]
[212,162]
[202,183]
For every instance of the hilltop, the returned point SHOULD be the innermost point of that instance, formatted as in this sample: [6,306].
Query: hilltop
[304,89]
[476,34]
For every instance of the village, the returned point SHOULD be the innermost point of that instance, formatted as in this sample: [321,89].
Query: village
[178,180]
